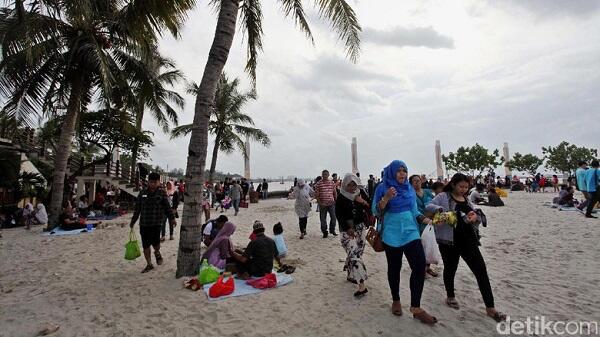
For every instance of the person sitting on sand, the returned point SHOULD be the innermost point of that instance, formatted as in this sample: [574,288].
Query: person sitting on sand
[67,220]
[40,216]
[494,199]
[566,197]
[211,229]
[462,241]
[279,240]
[351,208]
[475,195]
[257,259]
[221,247]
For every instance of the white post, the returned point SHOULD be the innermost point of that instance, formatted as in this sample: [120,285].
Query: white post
[247,159]
[506,160]
[353,148]
[438,160]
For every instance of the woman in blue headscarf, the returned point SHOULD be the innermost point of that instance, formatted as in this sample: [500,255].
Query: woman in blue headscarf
[395,202]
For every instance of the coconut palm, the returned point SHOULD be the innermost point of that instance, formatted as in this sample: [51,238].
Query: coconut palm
[150,77]
[228,123]
[59,56]
[343,20]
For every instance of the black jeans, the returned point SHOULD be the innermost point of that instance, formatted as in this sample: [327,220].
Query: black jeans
[470,253]
[416,259]
[594,198]
[163,228]
[303,222]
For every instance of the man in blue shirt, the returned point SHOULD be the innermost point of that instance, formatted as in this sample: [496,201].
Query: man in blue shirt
[592,178]
[581,184]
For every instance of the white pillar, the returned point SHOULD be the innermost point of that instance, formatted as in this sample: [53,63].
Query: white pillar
[438,160]
[80,187]
[247,159]
[353,148]
[506,154]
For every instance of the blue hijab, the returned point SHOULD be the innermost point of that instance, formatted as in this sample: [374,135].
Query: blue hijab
[405,197]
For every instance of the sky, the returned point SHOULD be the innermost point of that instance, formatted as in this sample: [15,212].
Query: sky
[485,71]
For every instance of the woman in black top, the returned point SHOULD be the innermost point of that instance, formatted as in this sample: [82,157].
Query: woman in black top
[351,207]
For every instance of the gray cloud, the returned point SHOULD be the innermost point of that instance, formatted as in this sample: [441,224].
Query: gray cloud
[552,8]
[408,37]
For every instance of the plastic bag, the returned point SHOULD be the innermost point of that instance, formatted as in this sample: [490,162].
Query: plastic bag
[267,281]
[132,248]
[430,246]
[207,273]
[221,288]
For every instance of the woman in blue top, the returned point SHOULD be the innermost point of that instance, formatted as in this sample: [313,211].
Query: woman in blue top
[395,201]
[424,197]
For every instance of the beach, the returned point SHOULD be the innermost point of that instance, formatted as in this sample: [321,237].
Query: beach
[541,261]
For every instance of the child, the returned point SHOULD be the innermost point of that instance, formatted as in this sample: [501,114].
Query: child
[279,241]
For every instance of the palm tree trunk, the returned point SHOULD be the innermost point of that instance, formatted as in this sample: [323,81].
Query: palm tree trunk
[61,157]
[213,162]
[188,256]
[138,126]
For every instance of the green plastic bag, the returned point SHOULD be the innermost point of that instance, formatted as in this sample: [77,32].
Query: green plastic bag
[132,248]
[207,274]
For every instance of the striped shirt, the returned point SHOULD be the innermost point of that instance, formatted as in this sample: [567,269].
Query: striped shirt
[325,192]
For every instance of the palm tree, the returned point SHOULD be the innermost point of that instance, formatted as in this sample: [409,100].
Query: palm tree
[149,79]
[229,124]
[59,55]
[342,19]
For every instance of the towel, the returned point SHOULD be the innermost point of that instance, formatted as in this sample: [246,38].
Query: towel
[241,288]
[60,232]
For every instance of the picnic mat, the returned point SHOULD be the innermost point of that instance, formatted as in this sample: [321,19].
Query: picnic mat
[60,232]
[564,208]
[241,288]
[103,217]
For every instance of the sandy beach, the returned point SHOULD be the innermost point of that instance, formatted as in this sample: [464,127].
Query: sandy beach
[541,262]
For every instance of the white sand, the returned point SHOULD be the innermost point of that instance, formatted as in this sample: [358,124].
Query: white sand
[541,262]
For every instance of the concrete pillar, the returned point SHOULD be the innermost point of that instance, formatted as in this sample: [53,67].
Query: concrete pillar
[353,148]
[92,191]
[438,160]
[80,187]
[506,155]
[247,159]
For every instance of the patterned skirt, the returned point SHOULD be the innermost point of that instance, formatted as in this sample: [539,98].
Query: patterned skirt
[354,247]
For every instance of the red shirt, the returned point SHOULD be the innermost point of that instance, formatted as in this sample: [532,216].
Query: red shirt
[325,191]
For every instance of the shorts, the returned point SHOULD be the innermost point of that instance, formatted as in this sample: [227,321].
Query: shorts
[150,236]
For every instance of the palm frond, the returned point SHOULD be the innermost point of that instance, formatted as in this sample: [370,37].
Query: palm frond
[295,9]
[343,19]
[251,21]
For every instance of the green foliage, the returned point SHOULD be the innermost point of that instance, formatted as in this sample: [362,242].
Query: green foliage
[472,159]
[229,123]
[564,157]
[525,163]
[10,166]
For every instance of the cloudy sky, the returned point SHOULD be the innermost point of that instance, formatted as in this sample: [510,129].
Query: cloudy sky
[524,72]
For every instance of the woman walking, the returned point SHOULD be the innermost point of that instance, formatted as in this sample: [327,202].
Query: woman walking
[424,197]
[173,197]
[351,208]
[395,202]
[302,193]
[462,241]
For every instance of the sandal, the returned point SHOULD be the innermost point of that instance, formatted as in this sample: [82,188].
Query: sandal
[432,272]
[159,259]
[290,269]
[425,318]
[162,239]
[452,303]
[359,293]
[397,312]
[147,269]
[498,316]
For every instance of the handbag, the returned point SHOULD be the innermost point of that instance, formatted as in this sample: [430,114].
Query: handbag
[374,238]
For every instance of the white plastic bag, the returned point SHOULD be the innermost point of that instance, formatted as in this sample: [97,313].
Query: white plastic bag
[430,246]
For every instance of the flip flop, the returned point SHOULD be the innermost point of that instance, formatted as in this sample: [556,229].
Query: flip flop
[397,312]
[159,259]
[452,303]
[290,269]
[147,269]
[359,294]
[498,317]
[425,318]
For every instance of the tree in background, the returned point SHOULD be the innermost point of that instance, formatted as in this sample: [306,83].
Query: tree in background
[342,19]
[60,56]
[229,124]
[525,163]
[472,159]
[564,157]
